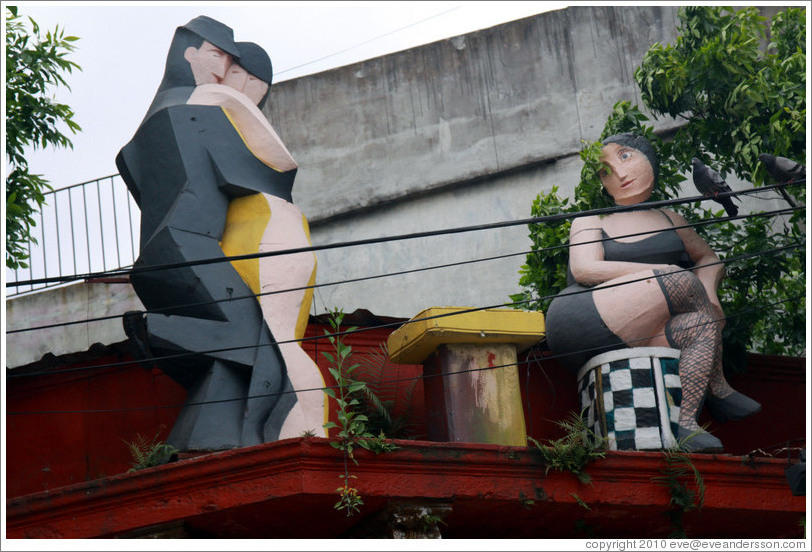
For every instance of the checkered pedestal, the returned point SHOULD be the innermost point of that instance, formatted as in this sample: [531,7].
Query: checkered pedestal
[632,396]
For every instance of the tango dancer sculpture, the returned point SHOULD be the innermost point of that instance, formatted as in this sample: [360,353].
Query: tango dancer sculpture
[198,166]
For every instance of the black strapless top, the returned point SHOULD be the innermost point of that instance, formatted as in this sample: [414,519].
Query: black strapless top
[664,247]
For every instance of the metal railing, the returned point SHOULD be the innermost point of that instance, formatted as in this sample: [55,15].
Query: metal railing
[88,227]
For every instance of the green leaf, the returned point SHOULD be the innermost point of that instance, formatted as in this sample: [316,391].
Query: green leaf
[34,65]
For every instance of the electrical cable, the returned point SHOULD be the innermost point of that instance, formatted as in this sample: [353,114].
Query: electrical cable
[473,309]
[166,310]
[399,380]
[366,41]
[386,325]
[371,241]
[384,239]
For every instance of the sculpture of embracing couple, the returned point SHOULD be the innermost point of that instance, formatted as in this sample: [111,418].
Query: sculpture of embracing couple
[213,180]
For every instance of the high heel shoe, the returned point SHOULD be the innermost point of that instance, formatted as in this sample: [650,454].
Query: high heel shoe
[733,407]
[697,441]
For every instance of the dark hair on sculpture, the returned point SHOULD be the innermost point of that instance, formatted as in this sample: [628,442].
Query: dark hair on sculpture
[641,144]
[194,33]
[178,81]
[254,59]
[214,32]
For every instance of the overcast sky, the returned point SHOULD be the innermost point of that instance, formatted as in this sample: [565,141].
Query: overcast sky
[123,45]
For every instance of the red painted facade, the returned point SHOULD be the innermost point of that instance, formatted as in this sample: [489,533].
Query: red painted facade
[67,462]
[72,424]
[287,490]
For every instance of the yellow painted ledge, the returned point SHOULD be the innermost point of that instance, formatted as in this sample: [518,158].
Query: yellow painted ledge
[413,342]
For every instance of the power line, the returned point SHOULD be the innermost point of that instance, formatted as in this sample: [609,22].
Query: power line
[366,41]
[372,241]
[166,310]
[396,380]
[386,325]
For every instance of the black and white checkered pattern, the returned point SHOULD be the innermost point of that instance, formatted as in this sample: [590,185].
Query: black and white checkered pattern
[639,397]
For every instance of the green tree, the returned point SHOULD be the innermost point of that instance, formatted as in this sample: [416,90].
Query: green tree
[736,96]
[33,64]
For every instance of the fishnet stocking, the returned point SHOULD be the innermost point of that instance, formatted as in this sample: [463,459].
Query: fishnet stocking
[693,330]
[718,383]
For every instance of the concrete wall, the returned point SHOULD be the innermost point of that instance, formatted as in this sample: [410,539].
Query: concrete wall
[76,302]
[467,107]
[464,131]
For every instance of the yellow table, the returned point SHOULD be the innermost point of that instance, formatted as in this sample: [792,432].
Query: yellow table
[470,374]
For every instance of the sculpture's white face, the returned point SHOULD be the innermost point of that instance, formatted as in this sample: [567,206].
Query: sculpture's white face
[239,79]
[209,63]
[630,178]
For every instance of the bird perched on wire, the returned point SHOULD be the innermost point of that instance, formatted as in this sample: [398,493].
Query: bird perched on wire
[710,184]
[783,170]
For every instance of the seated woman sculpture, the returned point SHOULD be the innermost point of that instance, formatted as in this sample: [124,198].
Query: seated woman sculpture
[646,285]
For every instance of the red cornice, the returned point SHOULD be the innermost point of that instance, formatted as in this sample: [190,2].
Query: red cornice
[489,481]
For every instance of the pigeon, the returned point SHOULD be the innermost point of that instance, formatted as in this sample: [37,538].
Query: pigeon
[710,184]
[783,170]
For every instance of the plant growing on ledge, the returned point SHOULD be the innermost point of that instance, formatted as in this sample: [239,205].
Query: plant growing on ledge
[352,426]
[575,450]
[381,393]
[680,474]
[147,454]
